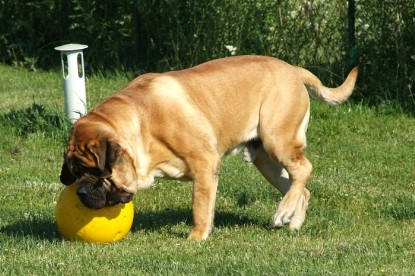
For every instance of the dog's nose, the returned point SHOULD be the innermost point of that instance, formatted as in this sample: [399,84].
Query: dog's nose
[81,191]
[91,197]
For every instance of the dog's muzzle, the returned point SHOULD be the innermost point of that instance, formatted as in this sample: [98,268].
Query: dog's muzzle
[100,193]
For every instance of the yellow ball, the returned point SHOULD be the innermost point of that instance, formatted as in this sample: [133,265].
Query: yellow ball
[77,222]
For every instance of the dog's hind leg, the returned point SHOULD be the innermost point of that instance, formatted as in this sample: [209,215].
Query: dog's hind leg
[278,177]
[283,140]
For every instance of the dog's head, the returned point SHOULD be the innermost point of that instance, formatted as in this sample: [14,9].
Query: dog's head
[95,159]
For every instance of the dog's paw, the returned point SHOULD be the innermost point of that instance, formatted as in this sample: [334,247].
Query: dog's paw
[250,151]
[281,218]
[294,217]
[296,222]
[198,235]
[247,157]
[284,213]
[300,211]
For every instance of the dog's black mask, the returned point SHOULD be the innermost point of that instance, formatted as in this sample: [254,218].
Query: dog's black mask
[96,191]
[97,195]
[92,196]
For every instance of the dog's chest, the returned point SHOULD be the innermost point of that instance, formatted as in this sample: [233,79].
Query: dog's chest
[169,170]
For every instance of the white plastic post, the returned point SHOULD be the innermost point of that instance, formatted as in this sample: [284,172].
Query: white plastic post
[73,80]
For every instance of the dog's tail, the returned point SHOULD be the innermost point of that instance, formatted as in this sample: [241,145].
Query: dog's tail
[331,96]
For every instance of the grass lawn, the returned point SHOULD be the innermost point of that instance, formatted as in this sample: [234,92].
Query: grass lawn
[361,218]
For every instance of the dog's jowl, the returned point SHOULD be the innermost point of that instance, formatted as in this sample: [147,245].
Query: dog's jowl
[179,124]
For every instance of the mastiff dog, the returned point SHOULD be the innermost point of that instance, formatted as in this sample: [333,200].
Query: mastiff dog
[179,124]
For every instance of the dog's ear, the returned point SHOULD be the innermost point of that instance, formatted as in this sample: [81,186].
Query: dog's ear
[106,154]
[66,177]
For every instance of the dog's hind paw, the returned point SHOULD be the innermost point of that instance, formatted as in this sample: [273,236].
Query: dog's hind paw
[247,156]
[295,217]
[251,150]
[283,214]
[279,220]
[295,223]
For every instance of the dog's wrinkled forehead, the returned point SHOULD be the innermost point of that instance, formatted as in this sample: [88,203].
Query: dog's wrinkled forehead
[81,153]
[77,159]
[87,145]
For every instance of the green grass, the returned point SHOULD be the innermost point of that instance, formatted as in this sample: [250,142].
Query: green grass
[361,218]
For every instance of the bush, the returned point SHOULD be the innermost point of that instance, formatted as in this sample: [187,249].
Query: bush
[31,29]
[37,119]
[185,33]
[386,39]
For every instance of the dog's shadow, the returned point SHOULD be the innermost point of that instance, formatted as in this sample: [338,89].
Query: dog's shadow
[46,228]
[40,229]
[154,221]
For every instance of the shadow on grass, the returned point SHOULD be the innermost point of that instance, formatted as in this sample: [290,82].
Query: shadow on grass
[42,229]
[152,221]
[46,228]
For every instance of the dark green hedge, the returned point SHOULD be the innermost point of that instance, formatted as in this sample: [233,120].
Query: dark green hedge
[31,29]
[159,35]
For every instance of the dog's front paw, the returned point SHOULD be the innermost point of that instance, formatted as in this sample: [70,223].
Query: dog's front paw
[198,235]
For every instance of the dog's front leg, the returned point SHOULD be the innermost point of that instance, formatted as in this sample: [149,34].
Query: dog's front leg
[204,196]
